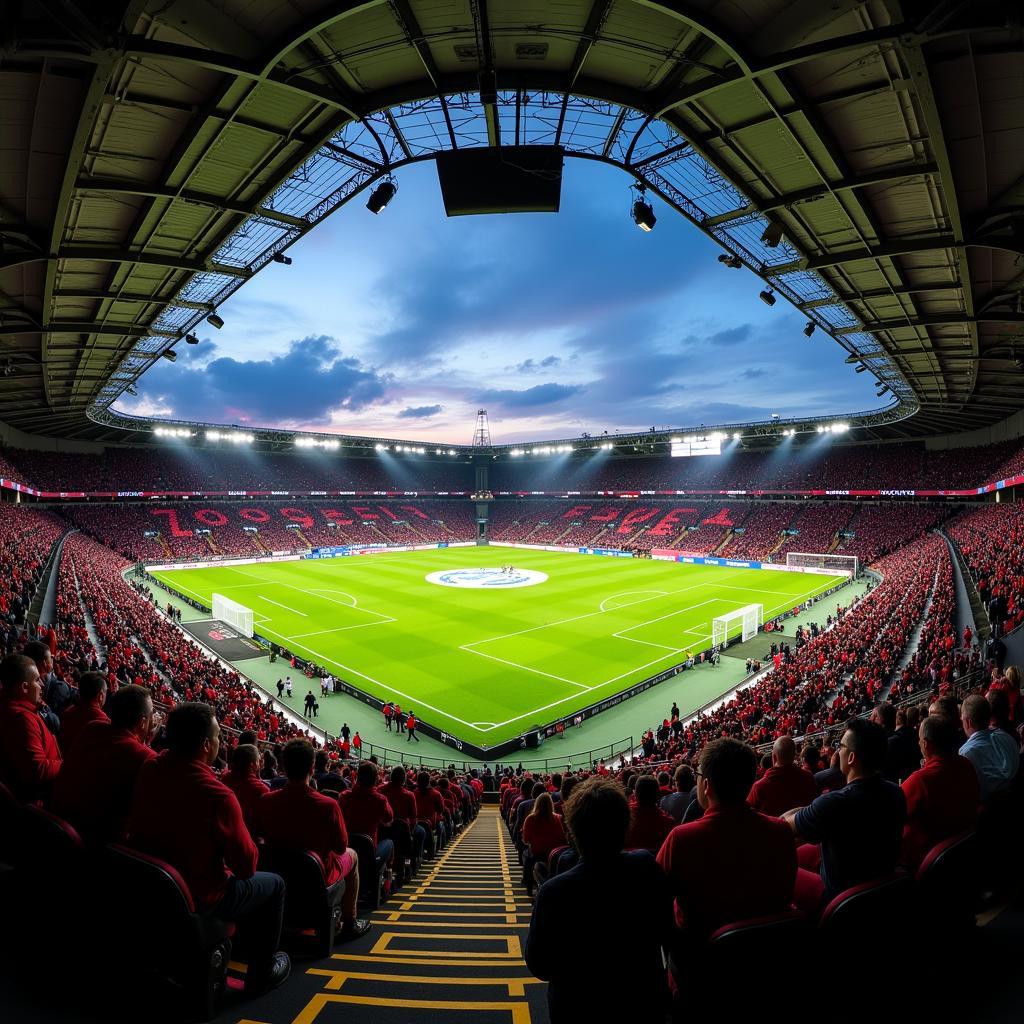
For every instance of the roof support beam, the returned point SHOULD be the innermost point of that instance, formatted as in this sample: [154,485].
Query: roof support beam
[931,320]
[99,295]
[901,248]
[115,255]
[880,293]
[488,80]
[117,187]
[88,327]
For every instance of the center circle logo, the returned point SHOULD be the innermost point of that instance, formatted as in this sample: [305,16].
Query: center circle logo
[487,579]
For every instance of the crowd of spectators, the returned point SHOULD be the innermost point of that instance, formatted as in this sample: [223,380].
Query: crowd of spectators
[991,539]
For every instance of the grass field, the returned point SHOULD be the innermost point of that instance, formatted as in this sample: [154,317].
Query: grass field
[487,665]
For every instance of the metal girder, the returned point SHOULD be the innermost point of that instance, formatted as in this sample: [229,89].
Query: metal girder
[906,247]
[932,320]
[879,293]
[487,79]
[118,255]
[410,27]
[810,195]
[115,186]
[88,327]
[99,295]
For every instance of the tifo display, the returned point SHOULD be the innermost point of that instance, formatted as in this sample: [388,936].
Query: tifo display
[491,662]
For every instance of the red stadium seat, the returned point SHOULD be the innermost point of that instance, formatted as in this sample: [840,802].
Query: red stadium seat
[949,886]
[187,954]
[372,870]
[864,912]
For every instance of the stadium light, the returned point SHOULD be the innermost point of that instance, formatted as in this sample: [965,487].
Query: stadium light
[130,390]
[279,257]
[381,447]
[327,443]
[232,436]
[772,234]
[730,260]
[172,432]
[767,297]
[452,451]
[215,321]
[840,428]
[821,429]
[170,355]
[860,369]
[882,388]
[191,339]
[736,436]
[382,195]
[809,328]
[643,212]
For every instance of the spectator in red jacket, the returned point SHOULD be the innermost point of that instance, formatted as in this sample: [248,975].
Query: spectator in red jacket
[183,814]
[96,781]
[543,831]
[429,805]
[942,796]
[734,862]
[403,805]
[243,779]
[365,810]
[29,755]
[92,695]
[649,825]
[785,785]
[298,817]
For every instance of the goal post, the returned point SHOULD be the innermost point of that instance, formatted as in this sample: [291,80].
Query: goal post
[837,564]
[233,614]
[743,622]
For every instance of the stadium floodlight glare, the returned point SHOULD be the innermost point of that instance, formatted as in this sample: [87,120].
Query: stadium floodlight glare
[821,429]
[172,432]
[730,260]
[279,257]
[381,447]
[809,328]
[452,451]
[772,234]
[327,443]
[170,355]
[231,436]
[191,339]
[767,296]
[215,321]
[736,436]
[382,195]
[840,428]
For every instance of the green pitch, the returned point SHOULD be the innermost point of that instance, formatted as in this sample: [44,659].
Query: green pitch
[484,664]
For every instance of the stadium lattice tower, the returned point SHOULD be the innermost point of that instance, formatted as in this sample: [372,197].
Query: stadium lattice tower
[482,433]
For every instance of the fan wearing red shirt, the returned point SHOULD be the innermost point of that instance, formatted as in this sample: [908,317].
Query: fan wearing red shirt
[243,779]
[365,810]
[298,817]
[94,788]
[734,862]
[429,806]
[403,805]
[183,814]
[649,825]
[543,831]
[92,695]
[785,785]
[942,796]
[29,755]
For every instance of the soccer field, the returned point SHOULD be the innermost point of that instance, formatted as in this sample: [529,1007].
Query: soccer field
[487,663]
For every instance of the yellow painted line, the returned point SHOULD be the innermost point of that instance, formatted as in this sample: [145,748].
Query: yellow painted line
[337,979]
[427,960]
[440,924]
[234,965]
[519,1012]
[513,948]
[399,915]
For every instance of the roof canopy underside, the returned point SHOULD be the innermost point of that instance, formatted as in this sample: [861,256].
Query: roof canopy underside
[156,155]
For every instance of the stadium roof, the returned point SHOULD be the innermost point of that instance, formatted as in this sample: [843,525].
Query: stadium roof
[156,155]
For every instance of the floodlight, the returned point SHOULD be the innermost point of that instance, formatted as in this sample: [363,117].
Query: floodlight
[382,195]
[767,297]
[279,257]
[772,234]
[130,390]
[643,214]
[821,429]
[215,321]
[191,339]
[809,328]
[170,355]
[730,260]
[882,388]
[736,436]
[860,369]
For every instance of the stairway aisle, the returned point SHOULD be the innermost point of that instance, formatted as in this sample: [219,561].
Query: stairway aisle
[447,949]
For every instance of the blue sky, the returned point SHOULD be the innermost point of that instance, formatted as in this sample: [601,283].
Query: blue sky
[405,323]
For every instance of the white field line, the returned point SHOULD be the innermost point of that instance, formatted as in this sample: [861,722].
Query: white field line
[260,597]
[628,593]
[341,629]
[527,668]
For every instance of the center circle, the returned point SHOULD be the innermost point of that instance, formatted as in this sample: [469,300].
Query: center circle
[487,579]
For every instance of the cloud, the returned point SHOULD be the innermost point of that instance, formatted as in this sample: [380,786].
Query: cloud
[419,412]
[535,365]
[312,378]
[538,395]
[752,373]
[731,335]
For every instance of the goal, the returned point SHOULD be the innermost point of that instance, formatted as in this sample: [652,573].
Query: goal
[837,564]
[745,620]
[233,613]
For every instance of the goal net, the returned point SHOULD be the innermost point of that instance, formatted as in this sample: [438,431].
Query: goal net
[743,622]
[233,613]
[838,564]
